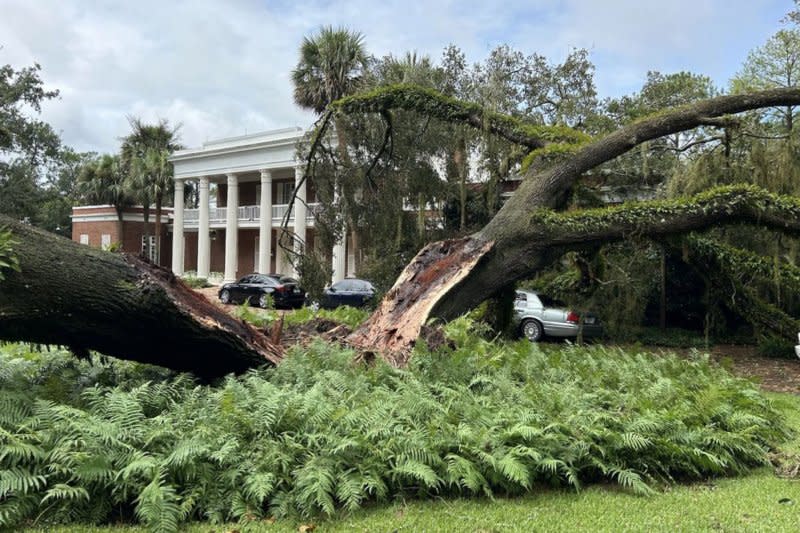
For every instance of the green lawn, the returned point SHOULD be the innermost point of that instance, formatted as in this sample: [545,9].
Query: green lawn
[757,502]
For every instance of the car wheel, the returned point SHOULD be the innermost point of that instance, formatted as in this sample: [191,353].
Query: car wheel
[532,330]
[263,301]
[225,297]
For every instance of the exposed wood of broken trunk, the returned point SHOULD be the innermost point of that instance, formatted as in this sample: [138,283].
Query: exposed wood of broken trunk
[86,299]
[510,247]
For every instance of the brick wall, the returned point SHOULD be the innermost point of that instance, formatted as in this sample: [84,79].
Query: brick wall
[131,240]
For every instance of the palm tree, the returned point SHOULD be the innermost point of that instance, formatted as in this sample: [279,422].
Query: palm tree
[103,181]
[145,152]
[332,64]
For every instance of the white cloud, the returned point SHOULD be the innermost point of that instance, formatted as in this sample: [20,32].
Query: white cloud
[222,68]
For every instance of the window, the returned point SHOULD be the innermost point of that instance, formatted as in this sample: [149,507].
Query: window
[84,238]
[105,241]
[551,302]
[149,249]
[285,189]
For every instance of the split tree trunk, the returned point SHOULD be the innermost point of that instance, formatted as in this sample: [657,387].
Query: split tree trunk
[87,299]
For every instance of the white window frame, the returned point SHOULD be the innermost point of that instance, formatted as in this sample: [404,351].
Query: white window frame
[84,239]
[151,253]
[284,192]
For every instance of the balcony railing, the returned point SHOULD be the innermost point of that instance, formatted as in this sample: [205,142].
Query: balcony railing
[246,213]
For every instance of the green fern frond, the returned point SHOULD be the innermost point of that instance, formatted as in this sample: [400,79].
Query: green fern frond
[17,481]
[62,491]
[418,471]
[158,505]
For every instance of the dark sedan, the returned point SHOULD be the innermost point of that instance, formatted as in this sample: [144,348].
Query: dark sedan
[352,292]
[258,289]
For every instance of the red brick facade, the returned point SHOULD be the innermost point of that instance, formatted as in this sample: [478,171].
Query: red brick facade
[96,221]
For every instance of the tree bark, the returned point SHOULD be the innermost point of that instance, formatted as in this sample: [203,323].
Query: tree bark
[512,246]
[87,299]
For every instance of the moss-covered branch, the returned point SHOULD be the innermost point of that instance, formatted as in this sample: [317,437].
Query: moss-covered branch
[738,203]
[431,103]
[549,188]
[743,264]
[731,268]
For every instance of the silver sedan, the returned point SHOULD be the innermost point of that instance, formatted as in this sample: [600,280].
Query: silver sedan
[539,316]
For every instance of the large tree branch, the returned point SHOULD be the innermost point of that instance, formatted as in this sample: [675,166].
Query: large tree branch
[743,265]
[737,203]
[734,269]
[548,188]
[87,299]
[431,103]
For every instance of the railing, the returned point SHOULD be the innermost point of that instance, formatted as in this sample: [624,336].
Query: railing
[245,213]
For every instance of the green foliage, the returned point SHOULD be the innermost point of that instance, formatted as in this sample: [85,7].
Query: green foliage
[776,347]
[8,259]
[349,316]
[430,102]
[727,198]
[195,282]
[654,336]
[319,433]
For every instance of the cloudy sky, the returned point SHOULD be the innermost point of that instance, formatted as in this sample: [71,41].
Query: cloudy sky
[223,68]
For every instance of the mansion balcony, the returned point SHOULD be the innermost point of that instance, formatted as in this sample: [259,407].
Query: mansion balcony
[249,216]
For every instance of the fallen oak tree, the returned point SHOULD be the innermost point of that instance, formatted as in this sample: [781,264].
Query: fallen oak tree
[143,313]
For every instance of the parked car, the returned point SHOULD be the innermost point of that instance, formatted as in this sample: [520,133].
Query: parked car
[351,291]
[257,289]
[541,316]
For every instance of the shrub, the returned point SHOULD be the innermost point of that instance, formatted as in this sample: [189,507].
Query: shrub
[776,347]
[320,433]
[195,282]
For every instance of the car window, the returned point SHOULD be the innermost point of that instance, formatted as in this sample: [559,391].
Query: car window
[551,302]
[345,285]
[264,280]
[246,279]
[361,285]
[521,297]
[287,279]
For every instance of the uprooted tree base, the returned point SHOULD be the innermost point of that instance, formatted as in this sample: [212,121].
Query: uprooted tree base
[119,305]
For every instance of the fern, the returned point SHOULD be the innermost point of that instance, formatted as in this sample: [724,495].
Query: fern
[318,434]
[158,505]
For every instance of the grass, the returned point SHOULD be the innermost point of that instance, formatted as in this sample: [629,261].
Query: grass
[750,503]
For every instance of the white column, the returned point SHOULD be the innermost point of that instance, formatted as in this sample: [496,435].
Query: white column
[265,225]
[177,229]
[339,262]
[279,266]
[203,242]
[299,212]
[232,228]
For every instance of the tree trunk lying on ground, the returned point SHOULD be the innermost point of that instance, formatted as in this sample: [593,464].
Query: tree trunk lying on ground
[87,299]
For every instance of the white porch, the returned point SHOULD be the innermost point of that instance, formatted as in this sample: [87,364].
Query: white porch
[251,175]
